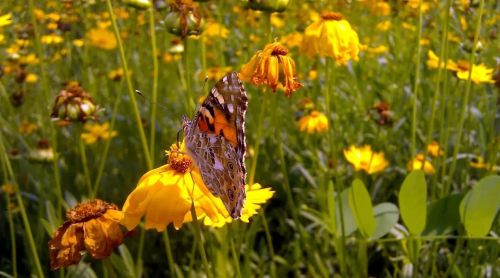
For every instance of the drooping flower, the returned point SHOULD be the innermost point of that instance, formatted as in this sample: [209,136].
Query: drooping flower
[93,226]
[314,122]
[363,158]
[434,149]
[381,113]
[272,66]
[417,163]
[164,195]
[96,132]
[101,38]
[331,36]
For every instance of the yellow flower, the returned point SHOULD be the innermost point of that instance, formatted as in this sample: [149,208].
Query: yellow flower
[51,39]
[417,163]
[5,19]
[433,62]
[164,195]
[215,30]
[93,226]
[9,188]
[97,132]
[315,122]
[78,42]
[384,25]
[434,149]
[424,41]
[215,73]
[292,40]
[478,163]
[102,38]
[480,73]
[116,74]
[29,59]
[27,127]
[273,67]
[31,78]
[277,21]
[331,36]
[377,50]
[365,159]
[168,58]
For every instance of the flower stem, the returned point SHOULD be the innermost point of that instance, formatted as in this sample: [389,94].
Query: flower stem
[12,232]
[187,76]
[235,257]
[85,166]
[456,148]
[24,216]
[154,94]
[269,240]
[198,236]
[130,88]
[258,135]
[168,251]
[416,85]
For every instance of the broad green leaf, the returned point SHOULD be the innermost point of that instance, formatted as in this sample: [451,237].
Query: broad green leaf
[412,202]
[443,217]
[361,206]
[480,206]
[349,222]
[386,217]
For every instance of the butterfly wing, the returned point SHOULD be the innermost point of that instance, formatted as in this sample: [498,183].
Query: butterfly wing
[215,139]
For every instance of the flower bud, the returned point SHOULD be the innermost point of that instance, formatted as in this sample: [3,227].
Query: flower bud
[184,19]
[74,104]
[268,5]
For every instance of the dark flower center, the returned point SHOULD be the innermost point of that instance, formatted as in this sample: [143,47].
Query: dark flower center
[279,50]
[331,16]
[88,210]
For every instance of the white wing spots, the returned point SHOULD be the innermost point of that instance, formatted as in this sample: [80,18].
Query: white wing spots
[218,165]
[230,107]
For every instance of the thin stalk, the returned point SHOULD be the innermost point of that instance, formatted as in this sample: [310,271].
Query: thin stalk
[168,251]
[269,240]
[154,94]
[12,234]
[85,166]
[130,88]
[456,147]
[187,76]
[198,236]
[258,135]
[416,85]
[22,210]
[235,257]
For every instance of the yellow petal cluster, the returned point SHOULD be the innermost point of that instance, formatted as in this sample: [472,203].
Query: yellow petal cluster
[102,38]
[272,66]
[417,163]
[96,132]
[314,122]
[331,36]
[363,158]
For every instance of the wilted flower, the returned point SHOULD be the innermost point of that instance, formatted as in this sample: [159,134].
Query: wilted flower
[43,153]
[96,132]
[164,195]
[417,162]
[365,159]
[315,122]
[381,113]
[331,36]
[273,67]
[268,5]
[93,226]
[184,18]
[74,104]
[434,149]
[101,38]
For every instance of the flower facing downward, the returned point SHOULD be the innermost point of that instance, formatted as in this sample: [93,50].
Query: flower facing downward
[417,163]
[365,159]
[93,226]
[273,67]
[96,132]
[315,122]
[434,149]
[331,36]
[164,195]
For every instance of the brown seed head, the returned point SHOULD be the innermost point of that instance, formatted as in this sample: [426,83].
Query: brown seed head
[332,16]
[88,210]
[279,50]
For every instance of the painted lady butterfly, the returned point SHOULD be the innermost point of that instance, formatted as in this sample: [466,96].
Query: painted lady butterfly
[215,140]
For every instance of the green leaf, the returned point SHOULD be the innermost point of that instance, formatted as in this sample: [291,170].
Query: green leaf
[386,217]
[480,206]
[361,206]
[349,222]
[443,217]
[412,202]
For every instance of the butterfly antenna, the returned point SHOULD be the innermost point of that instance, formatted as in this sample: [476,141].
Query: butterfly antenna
[149,100]
[178,135]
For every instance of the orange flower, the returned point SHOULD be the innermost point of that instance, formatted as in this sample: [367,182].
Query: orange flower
[93,226]
[272,66]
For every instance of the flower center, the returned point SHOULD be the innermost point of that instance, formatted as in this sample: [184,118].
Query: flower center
[463,65]
[180,163]
[279,50]
[89,210]
[332,16]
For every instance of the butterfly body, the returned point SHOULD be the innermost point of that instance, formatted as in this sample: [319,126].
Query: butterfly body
[215,140]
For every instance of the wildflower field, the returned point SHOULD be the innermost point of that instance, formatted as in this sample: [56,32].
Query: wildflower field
[259,138]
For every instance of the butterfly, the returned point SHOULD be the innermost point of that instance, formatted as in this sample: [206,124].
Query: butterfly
[215,140]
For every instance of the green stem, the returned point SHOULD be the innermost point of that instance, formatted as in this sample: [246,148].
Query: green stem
[154,95]
[24,216]
[13,244]
[83,156]
[416,85]
[198,236]
[463,113]
[168,251]
[235,257]
[258,138]
[187,76]
[269,240]
[130,88]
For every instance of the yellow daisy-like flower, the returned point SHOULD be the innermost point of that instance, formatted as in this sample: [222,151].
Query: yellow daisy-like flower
[417,163]
[365,159]
[78,42]
[331,36]
[215,30]
[93,226]
[102,38]
[315,122]
[31,78]
[433,62]
[434,149]
[480,73]
[164,195]
[95,132]
[5,19]
[273,67]
[51,39]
